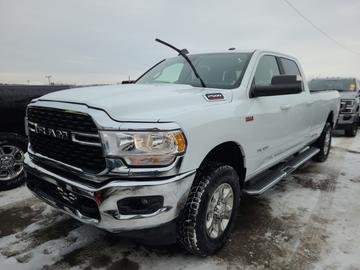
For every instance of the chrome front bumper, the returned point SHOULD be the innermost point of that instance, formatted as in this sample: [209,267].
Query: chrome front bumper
[174,190]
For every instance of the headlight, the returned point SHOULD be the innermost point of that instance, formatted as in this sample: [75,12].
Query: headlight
[144,148]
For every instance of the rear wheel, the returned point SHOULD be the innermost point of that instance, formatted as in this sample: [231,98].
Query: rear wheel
[210,212]
[12,150]
[324,143]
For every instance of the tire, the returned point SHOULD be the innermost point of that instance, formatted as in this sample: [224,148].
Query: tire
[324,144]
[193,231]
[12,149]
[351,132]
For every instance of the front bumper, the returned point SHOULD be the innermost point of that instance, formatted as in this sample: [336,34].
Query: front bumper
[102,200]
[346,120]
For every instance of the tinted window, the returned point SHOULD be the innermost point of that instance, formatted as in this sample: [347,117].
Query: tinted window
[218,70]
[332,84]
[266,69]
[290,67]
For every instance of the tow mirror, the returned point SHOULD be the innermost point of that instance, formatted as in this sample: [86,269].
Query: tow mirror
[280,85]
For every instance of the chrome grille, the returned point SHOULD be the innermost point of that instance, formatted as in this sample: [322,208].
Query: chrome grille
[346,106]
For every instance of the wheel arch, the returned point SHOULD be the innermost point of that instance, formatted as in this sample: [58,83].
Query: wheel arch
[331,119]
[230,153]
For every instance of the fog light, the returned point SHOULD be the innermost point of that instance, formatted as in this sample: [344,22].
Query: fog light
[140,205]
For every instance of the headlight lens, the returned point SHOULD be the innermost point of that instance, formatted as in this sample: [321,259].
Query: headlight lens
[144,148]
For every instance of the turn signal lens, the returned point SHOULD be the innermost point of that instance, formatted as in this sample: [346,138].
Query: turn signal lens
[181,143]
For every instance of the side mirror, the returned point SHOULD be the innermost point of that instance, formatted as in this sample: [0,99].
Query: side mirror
[280,85]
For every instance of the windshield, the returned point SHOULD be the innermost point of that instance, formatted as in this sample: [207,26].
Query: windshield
[218,70]
[333,84]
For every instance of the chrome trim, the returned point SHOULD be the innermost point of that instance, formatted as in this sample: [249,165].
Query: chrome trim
[174,191]
[74,139]
[347,106]
[41,159]
[170,170]
[29,125]
[129,217]
[114,168]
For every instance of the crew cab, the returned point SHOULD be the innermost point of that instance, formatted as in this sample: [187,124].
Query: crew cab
[173,152]
[349,89]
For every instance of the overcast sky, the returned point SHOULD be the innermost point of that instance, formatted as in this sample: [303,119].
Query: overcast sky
[87,41]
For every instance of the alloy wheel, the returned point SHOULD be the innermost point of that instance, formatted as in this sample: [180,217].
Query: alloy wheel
[219,210]
[11,162]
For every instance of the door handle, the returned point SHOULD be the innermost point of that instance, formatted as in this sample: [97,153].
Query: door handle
[285,107]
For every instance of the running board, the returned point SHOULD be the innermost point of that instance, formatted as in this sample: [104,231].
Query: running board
[262,182]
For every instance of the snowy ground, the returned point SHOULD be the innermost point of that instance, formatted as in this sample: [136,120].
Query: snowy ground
[309,221]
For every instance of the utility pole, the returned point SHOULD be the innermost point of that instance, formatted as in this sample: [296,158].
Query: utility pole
[49,77]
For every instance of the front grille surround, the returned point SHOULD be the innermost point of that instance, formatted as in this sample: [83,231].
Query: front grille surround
[62,119]
[87,156]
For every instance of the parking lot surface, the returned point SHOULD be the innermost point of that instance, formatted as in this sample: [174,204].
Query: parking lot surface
[308,221]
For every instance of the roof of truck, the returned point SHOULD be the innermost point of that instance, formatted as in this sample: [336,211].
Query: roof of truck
[252,51]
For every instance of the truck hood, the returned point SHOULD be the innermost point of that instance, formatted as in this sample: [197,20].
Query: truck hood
[141,102]
[348,94]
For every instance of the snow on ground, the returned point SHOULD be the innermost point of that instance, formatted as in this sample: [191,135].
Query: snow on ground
[13,196]
[309,221]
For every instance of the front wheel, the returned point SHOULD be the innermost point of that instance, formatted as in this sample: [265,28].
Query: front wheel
[12,149]
[210,212]
[352,132]
[324,144]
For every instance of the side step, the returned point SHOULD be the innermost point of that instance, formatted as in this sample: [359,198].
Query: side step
[262,182]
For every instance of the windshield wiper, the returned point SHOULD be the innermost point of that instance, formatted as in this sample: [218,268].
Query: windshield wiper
[183,54]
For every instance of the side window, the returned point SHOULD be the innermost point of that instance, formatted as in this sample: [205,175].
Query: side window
[266,69]
[290,67]
[169,74]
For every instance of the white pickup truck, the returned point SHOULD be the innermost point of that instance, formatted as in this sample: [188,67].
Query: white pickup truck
[172,153]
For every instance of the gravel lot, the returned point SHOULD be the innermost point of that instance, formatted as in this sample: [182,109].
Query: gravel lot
[309,221]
